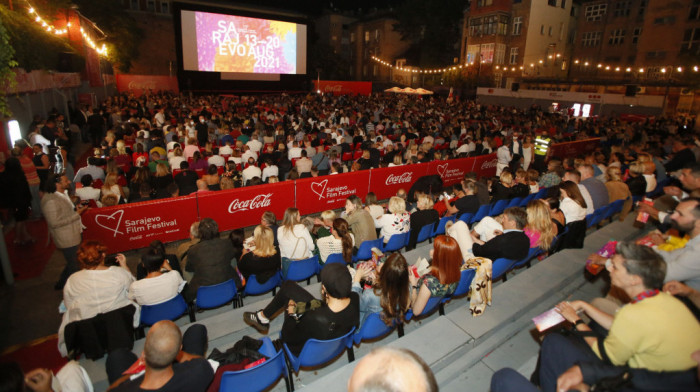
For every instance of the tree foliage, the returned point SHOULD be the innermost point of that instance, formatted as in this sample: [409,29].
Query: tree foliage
[433,27]
[7,63]
[331,65]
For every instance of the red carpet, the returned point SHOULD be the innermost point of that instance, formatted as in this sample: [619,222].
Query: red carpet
[28,261]
[39,353]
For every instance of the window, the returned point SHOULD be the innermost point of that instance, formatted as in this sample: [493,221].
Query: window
[563,4]
[375,69]
[617,37]
[591,38]
[635,34]
[500,55]
[553,3]
[517,1]
[694,10]
[490,25]
[472,53]
[134,5]
[364,70]
[513,56]
[484,3]
[376,34]
[517,25]
[550,31]
[642,7]
[594,13]
[622,8]
[502,25]
[164,7]
[691,41]
[475,27]
[542,29]
[561,31]
[352,37]
[665,20]
[366,36]
[487,53]
[151,5]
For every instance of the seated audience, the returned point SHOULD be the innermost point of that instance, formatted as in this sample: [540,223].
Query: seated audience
[540,229]
[572,204]
[340,241]
[389,291]
[209,260]
[294,239]
[443,276]
[397,221]
[264,261]
[160,284]
[513,244]
[360,221]
[425,215]
[392,369]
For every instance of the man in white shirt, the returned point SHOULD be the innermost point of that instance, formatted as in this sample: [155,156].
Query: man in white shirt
[254,144]
[216,159]
[504,157]
[226,149]
[269,170]
[251,171]
[294,152]
[159,118]
[87,192]
[248,153]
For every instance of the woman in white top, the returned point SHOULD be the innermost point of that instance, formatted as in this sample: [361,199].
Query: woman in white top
[375,210]
[397,221]
[177,158]
[95,289]
[111,187]
[294,238]
[572,204]
[398,161]
[340,241]
[527,151]
[160,284]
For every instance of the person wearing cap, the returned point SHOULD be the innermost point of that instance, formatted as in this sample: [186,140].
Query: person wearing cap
[305,317]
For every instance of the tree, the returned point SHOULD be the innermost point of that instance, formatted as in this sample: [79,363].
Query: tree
[433,27]
[7,63]
[332,65]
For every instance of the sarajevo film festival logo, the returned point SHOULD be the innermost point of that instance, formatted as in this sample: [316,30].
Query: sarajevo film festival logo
[110,222]
[319,188]
[441,169]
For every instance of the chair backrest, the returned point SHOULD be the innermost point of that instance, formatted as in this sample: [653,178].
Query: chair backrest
[614,208]
[253,287]
[466,217]
[531,254]
[168,310]
[372,328]
[440,229]
[302,269]
[576,235]
[500,267]
[481,213]
[425,232]
[396,242]
[257,378]
[465,282]
[365,251]
[432,304]
[216,295]
[515,202]
[542,193]
[526,199]
[335,258]
[317,352]
[499,207]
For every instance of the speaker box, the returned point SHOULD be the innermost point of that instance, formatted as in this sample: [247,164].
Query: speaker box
[631,90]
[515,86]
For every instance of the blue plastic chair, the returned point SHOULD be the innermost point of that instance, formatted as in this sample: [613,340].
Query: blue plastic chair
[481,213]
[317,352]
[466,217]
[465,282]
[531,254]
[515,202]
[365,251]
[614,208]
[433,303]
[527,199]
[260,377]
[396,242]
[440,228]
[253,287]
[426,233]
[171,309]
[372,328]
[302,270]
[335,258]
[557,242]
[542,193]
[216,295]
[498,207]
[500,268]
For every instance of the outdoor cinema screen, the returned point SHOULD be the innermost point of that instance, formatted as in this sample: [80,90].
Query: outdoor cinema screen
[230,43]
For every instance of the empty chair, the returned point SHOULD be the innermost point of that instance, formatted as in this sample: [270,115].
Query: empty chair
[396,242]
[372,328]
[216,295]
[481,213]
[335,258]
[425,233]
[542,193]
[500,268]
[303,270]
[365,251]
[440,228]
[515,202]
[253,287]
[260,377]
[465,282]
[498,207]
[317,352]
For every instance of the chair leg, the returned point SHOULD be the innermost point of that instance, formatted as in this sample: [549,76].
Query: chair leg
[274,291]
[351,354]
[193,310]
[505,276]
[399,329]
[289,372]
[286,383]
[441,309]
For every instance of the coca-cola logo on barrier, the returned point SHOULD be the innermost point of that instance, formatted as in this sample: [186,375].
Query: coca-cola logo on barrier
[404,178]
[142,85]
[333,89]
[489,164]
[259,201]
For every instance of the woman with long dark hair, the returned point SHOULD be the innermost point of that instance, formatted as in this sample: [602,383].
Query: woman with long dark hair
[572,204]
[390,289]
[340,241]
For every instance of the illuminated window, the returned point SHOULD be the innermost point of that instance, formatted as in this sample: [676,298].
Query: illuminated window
[366,36]
[500,54]
[487,53]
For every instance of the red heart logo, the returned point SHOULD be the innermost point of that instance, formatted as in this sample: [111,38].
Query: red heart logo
[319,187]
[110,222]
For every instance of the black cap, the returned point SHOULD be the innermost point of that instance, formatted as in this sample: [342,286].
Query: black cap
[336,278]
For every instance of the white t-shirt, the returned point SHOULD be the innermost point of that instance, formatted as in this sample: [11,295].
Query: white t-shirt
[296,244]
[153,291]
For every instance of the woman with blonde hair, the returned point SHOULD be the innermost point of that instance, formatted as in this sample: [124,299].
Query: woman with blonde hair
[397,221]
[540,229]
[649,171]
[112,187]
[425,215]
[637,183]
[264,261]
[123,158]
[501,189]
[177,158]
[161,179]
[294,239]
[398,161]
[340,241]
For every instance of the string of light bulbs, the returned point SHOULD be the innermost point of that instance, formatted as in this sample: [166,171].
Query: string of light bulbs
[506,68]
[101,50]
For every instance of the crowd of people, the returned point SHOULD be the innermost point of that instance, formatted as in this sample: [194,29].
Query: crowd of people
[162,145]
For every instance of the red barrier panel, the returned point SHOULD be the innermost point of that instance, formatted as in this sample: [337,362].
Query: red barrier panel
[132,226]
[329,192]
[242,207]
[485,165]
[573,149]
[451,171]
[140,84]
[385,182]
[342,87]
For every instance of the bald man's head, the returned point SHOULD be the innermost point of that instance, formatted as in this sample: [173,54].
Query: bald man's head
[202,185]
[163,342]
[387,369]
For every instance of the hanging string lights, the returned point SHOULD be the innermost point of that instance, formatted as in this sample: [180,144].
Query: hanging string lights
[101,50]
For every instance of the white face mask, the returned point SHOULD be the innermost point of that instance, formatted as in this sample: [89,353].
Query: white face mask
[201,120]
